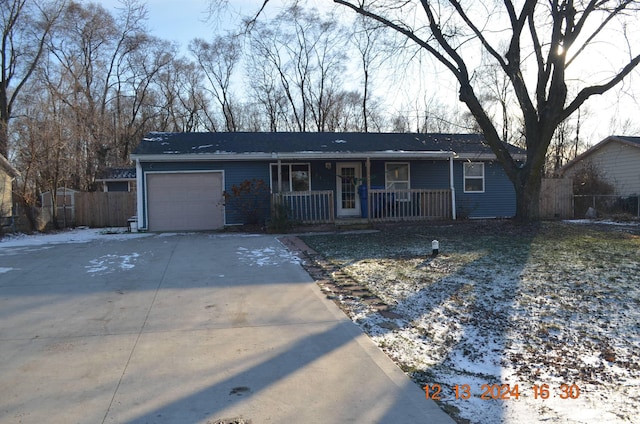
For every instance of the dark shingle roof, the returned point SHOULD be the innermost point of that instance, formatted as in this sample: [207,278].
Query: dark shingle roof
[288,142]
[635,140]
[118,174]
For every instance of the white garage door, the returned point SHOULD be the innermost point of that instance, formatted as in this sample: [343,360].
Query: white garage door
[185,202]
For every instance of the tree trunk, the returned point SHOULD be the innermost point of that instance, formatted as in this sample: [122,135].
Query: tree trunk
[4,135]
[4,141]
[528,198]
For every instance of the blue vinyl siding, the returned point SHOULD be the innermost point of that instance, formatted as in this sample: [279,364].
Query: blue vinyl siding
[234,174]
[426,174]
[498,199]
[430,174]
[321,177]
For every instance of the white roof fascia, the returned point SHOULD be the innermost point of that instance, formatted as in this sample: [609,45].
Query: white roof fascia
[486,156]
[112,180]
[291,156]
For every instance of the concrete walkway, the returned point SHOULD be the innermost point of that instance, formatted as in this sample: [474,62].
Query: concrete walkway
[182,329]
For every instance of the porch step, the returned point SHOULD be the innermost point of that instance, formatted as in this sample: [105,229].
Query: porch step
[353,223]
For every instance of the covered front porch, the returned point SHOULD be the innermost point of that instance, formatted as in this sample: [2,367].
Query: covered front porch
[380,205]
[409,186]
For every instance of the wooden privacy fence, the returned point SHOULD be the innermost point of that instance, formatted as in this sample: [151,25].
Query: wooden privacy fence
[102,209]
[556,198]
[406,205]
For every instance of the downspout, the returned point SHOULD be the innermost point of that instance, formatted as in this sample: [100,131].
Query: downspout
[142,217]
[452,187]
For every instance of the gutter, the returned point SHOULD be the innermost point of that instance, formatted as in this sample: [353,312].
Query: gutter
[170,157]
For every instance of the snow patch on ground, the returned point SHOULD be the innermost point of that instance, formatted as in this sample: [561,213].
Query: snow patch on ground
[71,236]
[110,263]
[500,310]
[267,256]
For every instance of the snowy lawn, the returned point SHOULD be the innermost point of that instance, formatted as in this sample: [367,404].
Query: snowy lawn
[532,324]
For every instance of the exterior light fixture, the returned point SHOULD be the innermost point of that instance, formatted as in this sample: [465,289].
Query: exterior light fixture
[435,248]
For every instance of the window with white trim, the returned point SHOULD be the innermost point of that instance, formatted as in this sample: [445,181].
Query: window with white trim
[295,177]
[397,178]
[474,177]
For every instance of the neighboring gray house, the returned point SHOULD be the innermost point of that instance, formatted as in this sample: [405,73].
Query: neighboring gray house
[118,179]
[320,177]
[617,159]
[7,174]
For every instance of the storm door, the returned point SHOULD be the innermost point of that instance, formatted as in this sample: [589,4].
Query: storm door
[348,177]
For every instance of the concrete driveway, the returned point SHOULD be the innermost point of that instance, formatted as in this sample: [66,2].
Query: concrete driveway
[195,328]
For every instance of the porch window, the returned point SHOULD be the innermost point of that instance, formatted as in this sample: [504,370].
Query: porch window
[397,178]
[295,177]
[474,177]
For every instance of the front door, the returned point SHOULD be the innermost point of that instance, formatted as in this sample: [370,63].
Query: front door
[349,176]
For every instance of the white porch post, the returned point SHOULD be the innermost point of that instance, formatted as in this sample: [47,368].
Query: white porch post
[453,189]
[279,176]
[369,203]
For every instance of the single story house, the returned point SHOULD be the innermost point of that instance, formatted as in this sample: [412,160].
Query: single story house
[617,160]
[117,179]
[7,174]
[320,177]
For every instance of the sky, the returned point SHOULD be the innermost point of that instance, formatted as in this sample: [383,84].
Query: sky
[182,21]
[179,21]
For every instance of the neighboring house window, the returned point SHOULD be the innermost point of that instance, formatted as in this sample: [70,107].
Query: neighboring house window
[474,177]
[117,186]
[397,178]
[295,177]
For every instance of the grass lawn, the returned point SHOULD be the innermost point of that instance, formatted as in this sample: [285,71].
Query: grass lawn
[553,309]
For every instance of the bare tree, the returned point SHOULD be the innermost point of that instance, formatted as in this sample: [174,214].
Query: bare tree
[366,38]
[544,42]
[89,62]
[299,58]
[566,142]
[554,34]
[218,60]
[132,106]
[269,96]
[269,84]
[24,27]
[182,102]
[43,148]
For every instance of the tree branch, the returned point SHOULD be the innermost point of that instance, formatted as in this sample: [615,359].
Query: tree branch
[581,22]
[406,32]
[588,92]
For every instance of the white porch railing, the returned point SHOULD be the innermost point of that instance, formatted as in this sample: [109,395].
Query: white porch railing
[317,207]
[307,207]
[406,205]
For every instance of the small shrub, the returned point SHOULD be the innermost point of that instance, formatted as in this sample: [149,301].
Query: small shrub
[250,199]
[590,180]
[280,218]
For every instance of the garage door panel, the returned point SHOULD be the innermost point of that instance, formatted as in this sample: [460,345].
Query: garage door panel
[185,201]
